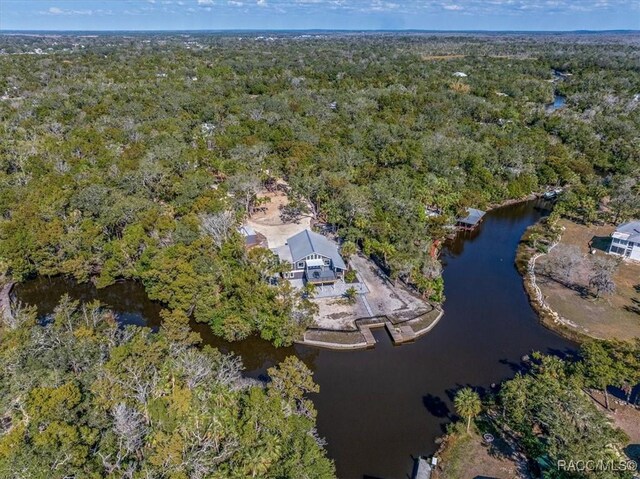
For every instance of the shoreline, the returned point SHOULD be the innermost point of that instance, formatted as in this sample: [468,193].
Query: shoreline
[360,337]
[401,332]
[525,260]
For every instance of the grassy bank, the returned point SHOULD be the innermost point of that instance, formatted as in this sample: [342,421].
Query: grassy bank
[571,310]
[537,240]
[465,455]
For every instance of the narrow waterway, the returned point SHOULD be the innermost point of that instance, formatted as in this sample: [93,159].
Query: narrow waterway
[558,102]
[381,407]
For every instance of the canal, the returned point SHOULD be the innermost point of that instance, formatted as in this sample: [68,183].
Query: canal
[381,407]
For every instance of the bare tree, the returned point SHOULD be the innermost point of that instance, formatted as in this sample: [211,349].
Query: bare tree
[129,426]
[219,226]
[562,263]
[19,315]
[204,448]
[625,202]
[294,210]
[196,367]
[601,276]
[229,370]
[245,189]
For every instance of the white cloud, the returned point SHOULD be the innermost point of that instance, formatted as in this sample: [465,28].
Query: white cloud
[396,8]
[60,11]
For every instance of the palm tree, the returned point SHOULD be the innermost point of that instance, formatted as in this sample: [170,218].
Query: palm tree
[467,404]
[348,249]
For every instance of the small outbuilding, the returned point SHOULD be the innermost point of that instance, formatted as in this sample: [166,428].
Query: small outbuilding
[252,238]
[474,218]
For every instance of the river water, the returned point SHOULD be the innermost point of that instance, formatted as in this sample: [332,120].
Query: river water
[381,407]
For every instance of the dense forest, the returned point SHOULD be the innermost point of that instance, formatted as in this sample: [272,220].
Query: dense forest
[138,156]
[80,396]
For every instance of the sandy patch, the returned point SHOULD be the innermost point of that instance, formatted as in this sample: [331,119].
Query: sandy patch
[468,457]
[336,313]
[385,299]
[624,416]
[267,221]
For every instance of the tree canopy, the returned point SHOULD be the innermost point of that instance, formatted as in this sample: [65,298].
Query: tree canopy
[81,396]
[137,157]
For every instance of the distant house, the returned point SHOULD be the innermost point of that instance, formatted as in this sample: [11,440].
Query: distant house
[312,257]
[625,240]
[474,218]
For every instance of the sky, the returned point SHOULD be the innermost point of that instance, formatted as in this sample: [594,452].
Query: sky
[563,15]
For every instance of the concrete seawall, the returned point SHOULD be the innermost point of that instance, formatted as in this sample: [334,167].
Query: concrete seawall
[362,338]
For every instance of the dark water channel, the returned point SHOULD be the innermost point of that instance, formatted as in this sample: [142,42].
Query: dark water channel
[380,407]
[558,102]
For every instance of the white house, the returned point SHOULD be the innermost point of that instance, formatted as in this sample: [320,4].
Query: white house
[625,240]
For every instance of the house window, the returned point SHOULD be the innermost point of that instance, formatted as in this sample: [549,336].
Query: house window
[301,264]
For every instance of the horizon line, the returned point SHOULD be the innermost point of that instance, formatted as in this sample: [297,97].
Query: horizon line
[337,30]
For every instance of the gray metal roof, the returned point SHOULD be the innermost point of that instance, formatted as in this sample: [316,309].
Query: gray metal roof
[423,469]
[473,216]
[632,228]
[307,242]
[246,230]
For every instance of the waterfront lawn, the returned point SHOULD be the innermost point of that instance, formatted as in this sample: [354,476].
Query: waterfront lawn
[466,456]
[614,316]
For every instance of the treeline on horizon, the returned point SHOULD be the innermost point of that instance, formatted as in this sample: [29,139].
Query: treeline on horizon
[137,157]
